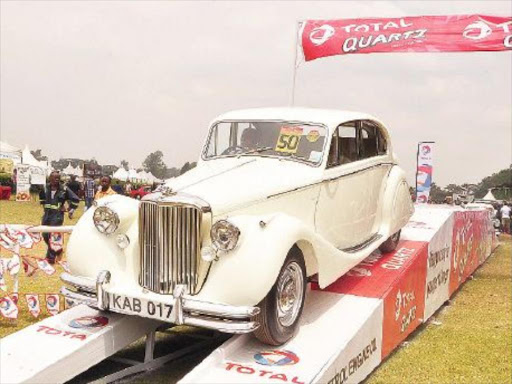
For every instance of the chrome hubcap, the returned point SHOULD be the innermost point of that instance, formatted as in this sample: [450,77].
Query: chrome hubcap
[290,292]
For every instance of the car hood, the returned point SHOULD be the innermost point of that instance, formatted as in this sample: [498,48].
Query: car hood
[227,184]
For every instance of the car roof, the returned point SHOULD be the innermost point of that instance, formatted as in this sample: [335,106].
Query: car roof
[328,117]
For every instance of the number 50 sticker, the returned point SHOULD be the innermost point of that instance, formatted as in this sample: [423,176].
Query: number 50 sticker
[289,139]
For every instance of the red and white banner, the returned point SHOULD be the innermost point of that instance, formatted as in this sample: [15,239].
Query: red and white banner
[45,267]
[53,304]
[8,308]
[459,33]
[33,305]
[424,171]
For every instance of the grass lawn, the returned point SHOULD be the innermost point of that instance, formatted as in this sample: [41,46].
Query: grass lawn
[468,341]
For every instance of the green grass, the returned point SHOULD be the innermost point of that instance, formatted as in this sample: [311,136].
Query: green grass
[471,344]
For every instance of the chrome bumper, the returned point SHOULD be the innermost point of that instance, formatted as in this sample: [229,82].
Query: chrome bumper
[221,317]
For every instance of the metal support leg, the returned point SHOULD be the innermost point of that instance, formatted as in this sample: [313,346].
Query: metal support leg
[150,347]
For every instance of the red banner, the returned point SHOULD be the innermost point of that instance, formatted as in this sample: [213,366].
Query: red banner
[323,38]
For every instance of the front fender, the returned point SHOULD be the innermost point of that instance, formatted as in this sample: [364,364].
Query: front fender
[246,274]
[88,251]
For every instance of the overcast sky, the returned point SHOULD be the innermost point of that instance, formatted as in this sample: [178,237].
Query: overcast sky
[118,80]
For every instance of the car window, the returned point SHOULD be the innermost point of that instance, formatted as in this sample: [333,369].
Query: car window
[382,145]
[343,148]
[287,140]
[368,143]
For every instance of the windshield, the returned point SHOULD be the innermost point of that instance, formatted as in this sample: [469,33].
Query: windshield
[295,141]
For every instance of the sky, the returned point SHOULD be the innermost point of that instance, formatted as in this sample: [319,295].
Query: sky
[115,80]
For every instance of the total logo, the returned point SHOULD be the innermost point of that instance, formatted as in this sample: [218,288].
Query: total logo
[5,304]
[89,322]
[276,358]
[425,150]
[32,302]
[477,31]
[320,35]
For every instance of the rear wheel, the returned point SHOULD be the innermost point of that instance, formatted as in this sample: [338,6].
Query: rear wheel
[281,309]
[390,244]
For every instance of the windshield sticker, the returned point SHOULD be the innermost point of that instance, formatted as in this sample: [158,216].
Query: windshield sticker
[289,139]
[313,136]
[315,156]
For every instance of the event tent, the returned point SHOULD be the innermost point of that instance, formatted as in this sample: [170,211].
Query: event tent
[120,174]
[29,159]
[489,196]
[8,151]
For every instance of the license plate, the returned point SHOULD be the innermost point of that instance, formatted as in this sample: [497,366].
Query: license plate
[137,306]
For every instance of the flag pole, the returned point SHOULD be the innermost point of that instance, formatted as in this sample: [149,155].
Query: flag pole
[298,27]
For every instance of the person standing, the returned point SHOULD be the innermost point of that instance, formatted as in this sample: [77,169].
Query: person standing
[76,187]
[505,217]
[53,198]
[89,191]
[105,188]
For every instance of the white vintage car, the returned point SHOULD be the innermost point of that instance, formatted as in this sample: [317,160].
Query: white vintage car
[278,196]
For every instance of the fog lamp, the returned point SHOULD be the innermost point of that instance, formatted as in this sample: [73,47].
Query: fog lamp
[224,235]
[105,220]
[123,241]
[208,253]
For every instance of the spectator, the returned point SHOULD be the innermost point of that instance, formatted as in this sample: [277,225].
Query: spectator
[89,191]
[105,188]
[76,187]
[118,188]
[505,217]
[128,188]
[53,198]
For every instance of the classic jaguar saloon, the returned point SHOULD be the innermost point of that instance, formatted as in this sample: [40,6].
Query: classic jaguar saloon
[278,196]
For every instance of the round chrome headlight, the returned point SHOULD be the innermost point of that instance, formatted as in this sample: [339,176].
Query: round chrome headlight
[224,235]
[105,220]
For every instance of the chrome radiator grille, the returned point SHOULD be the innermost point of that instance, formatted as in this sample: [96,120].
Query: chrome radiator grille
[169,238]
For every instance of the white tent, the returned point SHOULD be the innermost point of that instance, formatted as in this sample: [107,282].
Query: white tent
[489,196]
[8,151]
[120,174]
[133,176]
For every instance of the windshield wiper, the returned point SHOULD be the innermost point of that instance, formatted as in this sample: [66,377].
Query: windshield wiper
[257,150]
[293,156]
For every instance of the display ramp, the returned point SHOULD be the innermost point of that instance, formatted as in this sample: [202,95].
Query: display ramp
[351,326]
[60,347]
[346,330]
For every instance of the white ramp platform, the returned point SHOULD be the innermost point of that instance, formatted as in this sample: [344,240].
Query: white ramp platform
[60,347]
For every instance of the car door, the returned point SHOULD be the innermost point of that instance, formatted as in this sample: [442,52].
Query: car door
[373,158]
[342,210]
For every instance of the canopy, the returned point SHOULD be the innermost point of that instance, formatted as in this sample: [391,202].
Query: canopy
[8,151]
[120,174]
[489,196]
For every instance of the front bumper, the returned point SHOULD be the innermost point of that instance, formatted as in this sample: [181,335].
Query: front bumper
[177,309]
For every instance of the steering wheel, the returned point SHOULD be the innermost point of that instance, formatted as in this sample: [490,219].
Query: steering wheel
[233,150]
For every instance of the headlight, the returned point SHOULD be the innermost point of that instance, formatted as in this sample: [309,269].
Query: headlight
[105,220]
[224,235]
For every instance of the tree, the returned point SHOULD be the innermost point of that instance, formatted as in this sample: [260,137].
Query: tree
[154,164]
[125,165]
[39,155]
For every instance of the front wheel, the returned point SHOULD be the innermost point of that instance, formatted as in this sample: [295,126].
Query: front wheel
[281,309]
[390,244]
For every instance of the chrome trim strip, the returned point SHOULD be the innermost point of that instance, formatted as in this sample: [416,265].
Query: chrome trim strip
[362,245]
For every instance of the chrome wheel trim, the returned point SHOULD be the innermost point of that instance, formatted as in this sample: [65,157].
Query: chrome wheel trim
[290,292]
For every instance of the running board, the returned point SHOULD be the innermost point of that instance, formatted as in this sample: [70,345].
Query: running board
[363,245]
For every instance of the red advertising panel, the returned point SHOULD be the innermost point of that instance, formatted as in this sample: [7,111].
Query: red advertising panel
[471,245]
[376,274]
[399,279]
[460,33]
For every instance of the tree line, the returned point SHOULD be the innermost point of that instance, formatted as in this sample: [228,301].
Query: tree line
[153,163]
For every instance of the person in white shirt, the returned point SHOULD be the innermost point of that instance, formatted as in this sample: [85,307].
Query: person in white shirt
[505,218]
